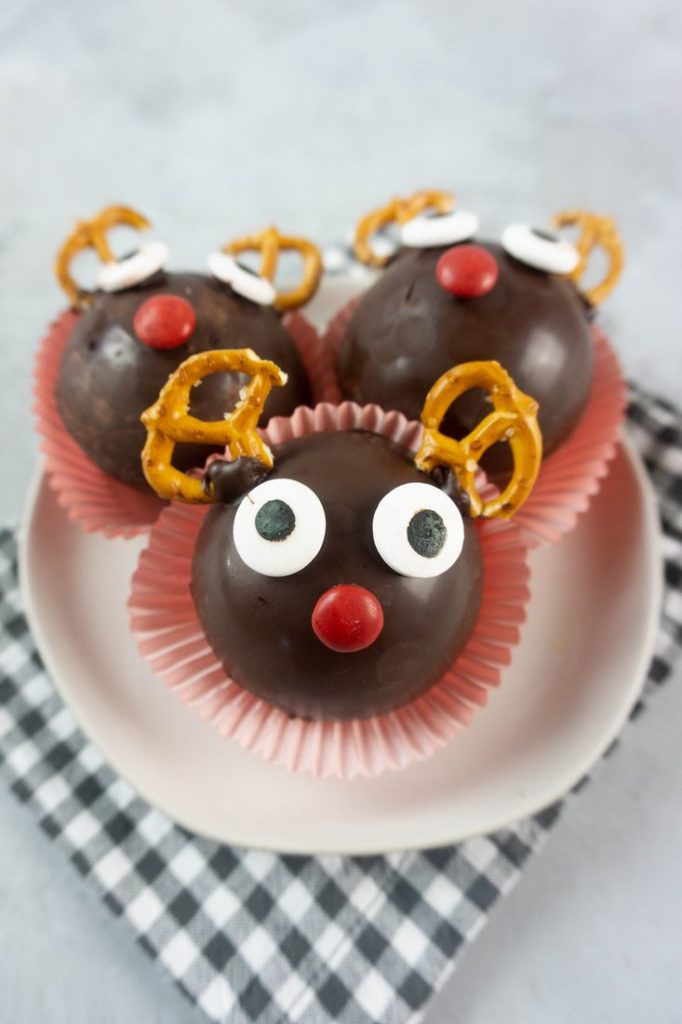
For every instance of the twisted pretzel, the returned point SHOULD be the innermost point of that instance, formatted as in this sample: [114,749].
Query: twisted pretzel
[270,243]
[168,420]
[514,419]
[92,234]
[596,231]
[398,211]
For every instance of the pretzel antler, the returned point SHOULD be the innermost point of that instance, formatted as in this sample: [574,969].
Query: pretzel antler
[596,231]
[514,418]
[397,211]
[270,243]
[92,234]
[168,421]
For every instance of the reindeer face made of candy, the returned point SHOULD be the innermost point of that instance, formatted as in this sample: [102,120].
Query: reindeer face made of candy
[142,321]
[445,298]
[339,575]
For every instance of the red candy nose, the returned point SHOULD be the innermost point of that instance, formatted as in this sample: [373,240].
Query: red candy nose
[164,321]
[467,271]
[347,618]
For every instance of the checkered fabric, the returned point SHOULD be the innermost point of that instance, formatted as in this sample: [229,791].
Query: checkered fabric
[256,937]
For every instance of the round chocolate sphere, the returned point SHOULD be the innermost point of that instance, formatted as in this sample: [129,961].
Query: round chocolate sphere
[410,327]
[125,345]
[341,635]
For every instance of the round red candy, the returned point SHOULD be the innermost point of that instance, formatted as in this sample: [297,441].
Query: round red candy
[467,271]
[164,321]
[347,618]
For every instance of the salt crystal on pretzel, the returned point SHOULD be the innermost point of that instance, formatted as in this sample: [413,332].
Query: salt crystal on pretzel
[168,421]
[513,419]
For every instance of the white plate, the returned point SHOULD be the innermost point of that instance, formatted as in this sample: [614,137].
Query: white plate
[583,657]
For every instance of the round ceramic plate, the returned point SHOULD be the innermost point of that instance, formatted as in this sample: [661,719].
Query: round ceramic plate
[574,678]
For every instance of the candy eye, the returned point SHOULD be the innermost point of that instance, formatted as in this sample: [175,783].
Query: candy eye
[149,259]
[540,249]
[434,229]
[242,280]
[279,527]
[418,530]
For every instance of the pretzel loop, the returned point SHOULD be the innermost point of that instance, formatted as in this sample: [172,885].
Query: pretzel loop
[168,421]
[270,243]
[397,211]
[596,231]
[92,234]
[514,419]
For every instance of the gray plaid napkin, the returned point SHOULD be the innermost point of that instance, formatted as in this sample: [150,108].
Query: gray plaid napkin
[252,936]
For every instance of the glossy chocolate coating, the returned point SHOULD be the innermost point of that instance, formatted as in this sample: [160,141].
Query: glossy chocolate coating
[108,377]
[260,627]
[407,331]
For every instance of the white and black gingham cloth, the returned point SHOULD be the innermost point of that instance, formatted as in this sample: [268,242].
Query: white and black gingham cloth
[256,937]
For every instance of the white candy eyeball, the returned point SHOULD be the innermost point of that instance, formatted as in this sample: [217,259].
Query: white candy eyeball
[418,530]
[279,527]
[143,264]
[245,282]
[429,229]
[540,249]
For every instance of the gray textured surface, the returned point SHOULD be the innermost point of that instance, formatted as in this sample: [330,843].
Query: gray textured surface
[217,118]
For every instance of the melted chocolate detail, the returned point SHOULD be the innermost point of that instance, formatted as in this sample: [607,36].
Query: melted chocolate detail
[446,479]
[229,480]
[108,377]
[260,627]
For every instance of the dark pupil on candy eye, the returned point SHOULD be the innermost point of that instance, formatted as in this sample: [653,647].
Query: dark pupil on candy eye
[546,236]
[249,270]
[426,533]
[275,520]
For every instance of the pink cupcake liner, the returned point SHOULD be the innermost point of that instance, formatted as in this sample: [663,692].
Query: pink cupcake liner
[316,358]
[337,326]
[572,475]
[97,502]
[169,635]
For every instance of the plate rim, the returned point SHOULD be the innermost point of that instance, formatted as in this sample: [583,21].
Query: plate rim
[436,837]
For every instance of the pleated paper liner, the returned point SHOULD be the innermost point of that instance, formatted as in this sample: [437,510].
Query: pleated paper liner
[165,624]
[94,500]
[572,475]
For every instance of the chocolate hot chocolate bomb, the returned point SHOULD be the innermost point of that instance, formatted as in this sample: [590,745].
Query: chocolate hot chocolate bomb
[108,377]
[338,576]
[261,627]
[145,321]
[446,298]
[407,330]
